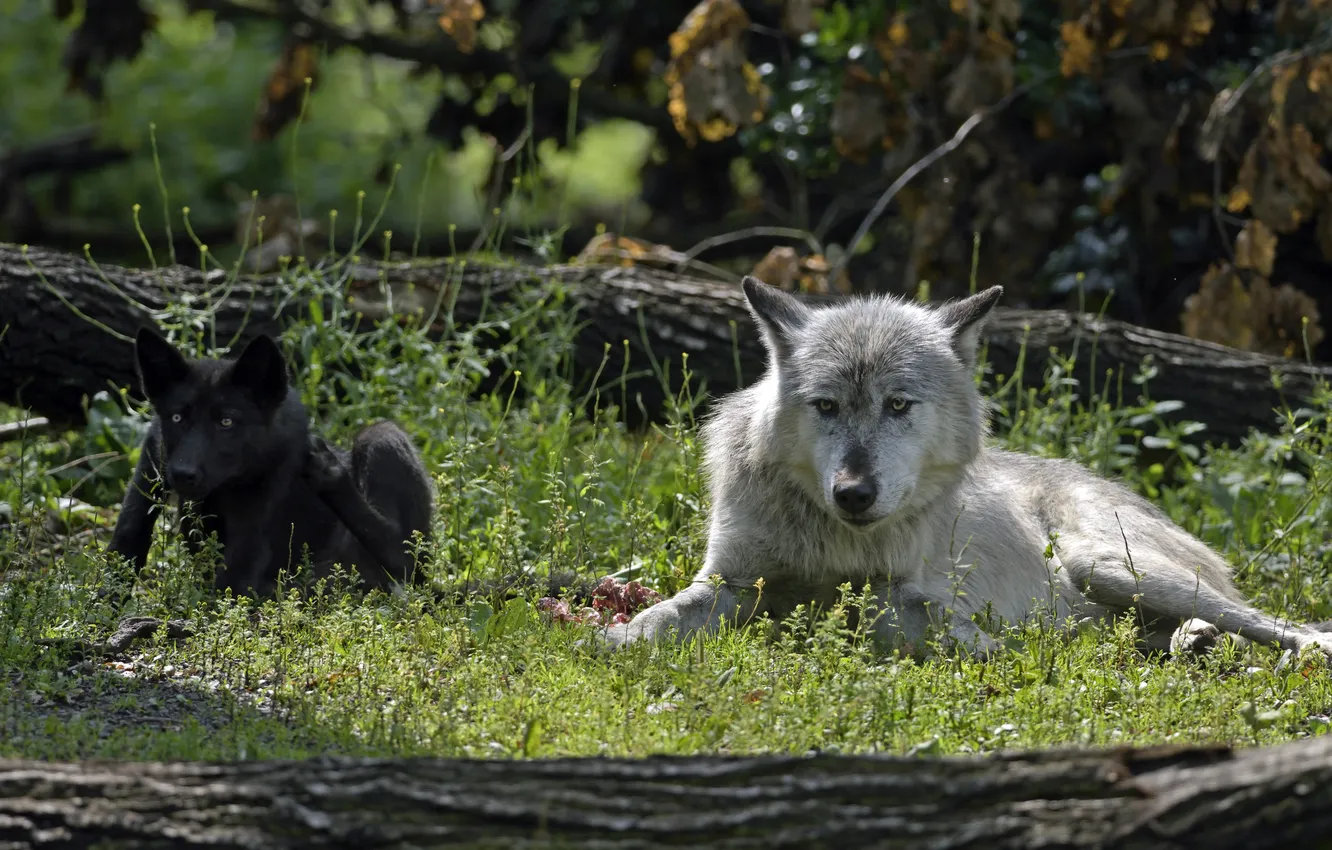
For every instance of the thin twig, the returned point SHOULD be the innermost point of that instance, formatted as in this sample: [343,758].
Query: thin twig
[497,184]
[926,161]
[846,204]
[77,461]
[60,296]
[441,53]
[1213,128]
[748,233]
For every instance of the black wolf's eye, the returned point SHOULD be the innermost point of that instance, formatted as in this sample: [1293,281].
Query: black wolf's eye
[226,422]
[826,406]
[898,405]
[175,417]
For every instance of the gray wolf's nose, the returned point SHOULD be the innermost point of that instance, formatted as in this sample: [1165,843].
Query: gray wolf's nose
[855,496]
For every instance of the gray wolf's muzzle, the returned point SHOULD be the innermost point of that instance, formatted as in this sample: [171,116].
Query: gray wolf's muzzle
[855,494]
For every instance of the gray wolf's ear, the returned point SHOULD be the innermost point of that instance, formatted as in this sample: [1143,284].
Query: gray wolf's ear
[261,370]
[778,313]
[160,366]
[966,319]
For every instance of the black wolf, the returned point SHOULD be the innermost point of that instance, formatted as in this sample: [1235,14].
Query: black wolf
[231,437]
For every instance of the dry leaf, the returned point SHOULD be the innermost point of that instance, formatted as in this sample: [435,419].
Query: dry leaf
[1294,319]
[897,30]
[1280,320]
[814,271]
[779,268]
[714,90]
[860,119]
[1255,248]
[1078,52]
[626,251]
[1305,156]
[1006,12]
[1283,177]
[784,269]
[459,18]
[284,93]
[798,16]
[997,12]
[1320,74]
[1281,80]
[1220,310]
[1198,25]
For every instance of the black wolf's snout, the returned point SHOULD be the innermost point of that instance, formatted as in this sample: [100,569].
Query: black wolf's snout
[185,479]
[855,495]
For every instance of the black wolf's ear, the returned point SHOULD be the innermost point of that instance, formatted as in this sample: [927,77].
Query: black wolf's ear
[160,365]
[967,317]
[261,370]
[779,314]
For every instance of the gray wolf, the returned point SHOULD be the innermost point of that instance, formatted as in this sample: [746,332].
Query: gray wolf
[860,456]
[231,437]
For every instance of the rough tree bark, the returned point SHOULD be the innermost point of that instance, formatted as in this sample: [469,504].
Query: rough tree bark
[1208,798]
[67,325]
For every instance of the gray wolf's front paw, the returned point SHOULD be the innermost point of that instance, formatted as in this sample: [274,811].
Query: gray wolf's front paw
[621,635]
[605,640]
[618,636]
[650,624]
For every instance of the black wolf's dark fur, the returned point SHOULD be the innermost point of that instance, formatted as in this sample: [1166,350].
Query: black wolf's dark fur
[232,437]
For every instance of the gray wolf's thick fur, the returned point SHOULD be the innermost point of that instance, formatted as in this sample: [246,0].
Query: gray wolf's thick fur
[860,457]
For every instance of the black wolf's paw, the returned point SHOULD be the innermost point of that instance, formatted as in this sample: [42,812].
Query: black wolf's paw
[325,469]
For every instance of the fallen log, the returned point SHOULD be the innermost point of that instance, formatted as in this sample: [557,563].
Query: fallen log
[66,327]
[1211,798]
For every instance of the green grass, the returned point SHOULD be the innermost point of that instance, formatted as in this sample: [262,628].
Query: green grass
[529,481]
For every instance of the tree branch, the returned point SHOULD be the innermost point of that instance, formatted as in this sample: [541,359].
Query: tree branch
[926,161]
[68,153]
[440,53]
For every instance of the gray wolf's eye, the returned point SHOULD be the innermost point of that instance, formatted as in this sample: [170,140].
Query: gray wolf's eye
[898,405]
[826,406]
[226,422]
[175,417]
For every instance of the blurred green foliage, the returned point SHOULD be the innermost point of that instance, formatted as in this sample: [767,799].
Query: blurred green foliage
[196,86]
